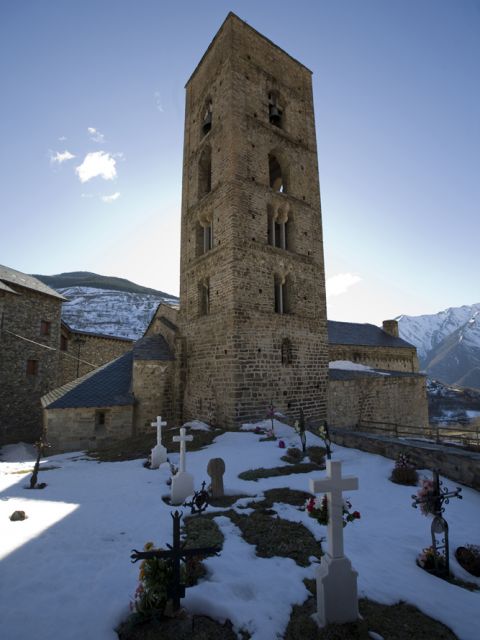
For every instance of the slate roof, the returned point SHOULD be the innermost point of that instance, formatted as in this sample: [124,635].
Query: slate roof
[153,347]
[4,287]
[367,335]
[10,276]
[110,385]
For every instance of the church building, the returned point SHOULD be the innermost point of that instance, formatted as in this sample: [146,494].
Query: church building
[252,326]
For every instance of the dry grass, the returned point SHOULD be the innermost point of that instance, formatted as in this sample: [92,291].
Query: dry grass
[141,445]
[301,467]
[393,622]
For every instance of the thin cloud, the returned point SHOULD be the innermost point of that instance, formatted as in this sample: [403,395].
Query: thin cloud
[59,158]
[62,138]
[158,101]
[97,164]
[111,198]
[95,135]
[341,283]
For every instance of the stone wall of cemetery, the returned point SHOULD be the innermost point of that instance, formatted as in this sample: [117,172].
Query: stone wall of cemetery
[73,429]
[21,340]
[85,352]
[389,358]
[381,401]
[152,388]
[241,355]
[455,463]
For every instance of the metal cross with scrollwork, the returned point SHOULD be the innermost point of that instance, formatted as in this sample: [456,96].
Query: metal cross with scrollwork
[434,502]
[324,434]
[175,554]
[199,502]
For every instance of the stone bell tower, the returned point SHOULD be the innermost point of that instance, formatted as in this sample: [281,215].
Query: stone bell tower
[252,289]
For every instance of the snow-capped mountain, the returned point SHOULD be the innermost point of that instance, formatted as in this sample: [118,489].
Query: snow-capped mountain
[448,343]
[110,306]
[113,313]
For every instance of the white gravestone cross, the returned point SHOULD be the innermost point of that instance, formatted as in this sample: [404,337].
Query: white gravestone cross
[337,599]
[159,453]
[182,482]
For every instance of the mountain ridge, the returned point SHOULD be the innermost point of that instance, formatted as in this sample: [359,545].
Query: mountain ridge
[106,305]
[97,281]
[448,343]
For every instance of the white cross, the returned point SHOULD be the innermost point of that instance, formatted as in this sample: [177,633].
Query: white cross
[333,485]
[159,424]
[182,438]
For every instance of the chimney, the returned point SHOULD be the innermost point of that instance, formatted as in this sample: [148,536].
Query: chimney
[391,327]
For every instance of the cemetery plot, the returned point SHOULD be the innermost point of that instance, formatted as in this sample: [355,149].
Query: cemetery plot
[80,531]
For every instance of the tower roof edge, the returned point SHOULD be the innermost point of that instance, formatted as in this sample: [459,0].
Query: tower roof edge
[233,17]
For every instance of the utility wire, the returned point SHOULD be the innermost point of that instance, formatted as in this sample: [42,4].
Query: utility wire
[44,346]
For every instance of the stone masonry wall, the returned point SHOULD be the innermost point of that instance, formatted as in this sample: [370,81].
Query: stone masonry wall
[20,392]
[152,388]
[382,400]
[457,464]
[83,348]
[233,354]
[391,359]
[72,429]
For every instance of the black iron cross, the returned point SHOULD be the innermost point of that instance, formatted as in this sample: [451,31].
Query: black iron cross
[327,440]
[436,499]
[175,554]
[41,445]
[199,502]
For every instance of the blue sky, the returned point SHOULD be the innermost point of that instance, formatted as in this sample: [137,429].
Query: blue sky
[397,94]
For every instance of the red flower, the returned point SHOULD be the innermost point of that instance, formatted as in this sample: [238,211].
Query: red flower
[310,505]
[356,514]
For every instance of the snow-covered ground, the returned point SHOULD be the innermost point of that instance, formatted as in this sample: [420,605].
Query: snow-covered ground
[65,571]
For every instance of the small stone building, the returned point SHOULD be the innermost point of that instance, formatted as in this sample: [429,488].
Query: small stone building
[388,391]
[114,401]
[252,325]
[30,313]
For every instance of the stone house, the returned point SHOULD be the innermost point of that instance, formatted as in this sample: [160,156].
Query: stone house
[84,351]
[29,352]
[252,324]
[39,352]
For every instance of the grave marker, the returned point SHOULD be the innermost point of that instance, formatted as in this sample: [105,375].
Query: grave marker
[182,482]
[337,599]
[159,453]
[434,502]
[175,554]
[216,469]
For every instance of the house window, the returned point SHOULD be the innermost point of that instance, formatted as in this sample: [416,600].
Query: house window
[277,233]
[63,343]
[207,238]
[207,118]
[281,295]
[276,178]
[32,367]
[205,172]
[204,234]
[100,421]
[204,297]
[45,328]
